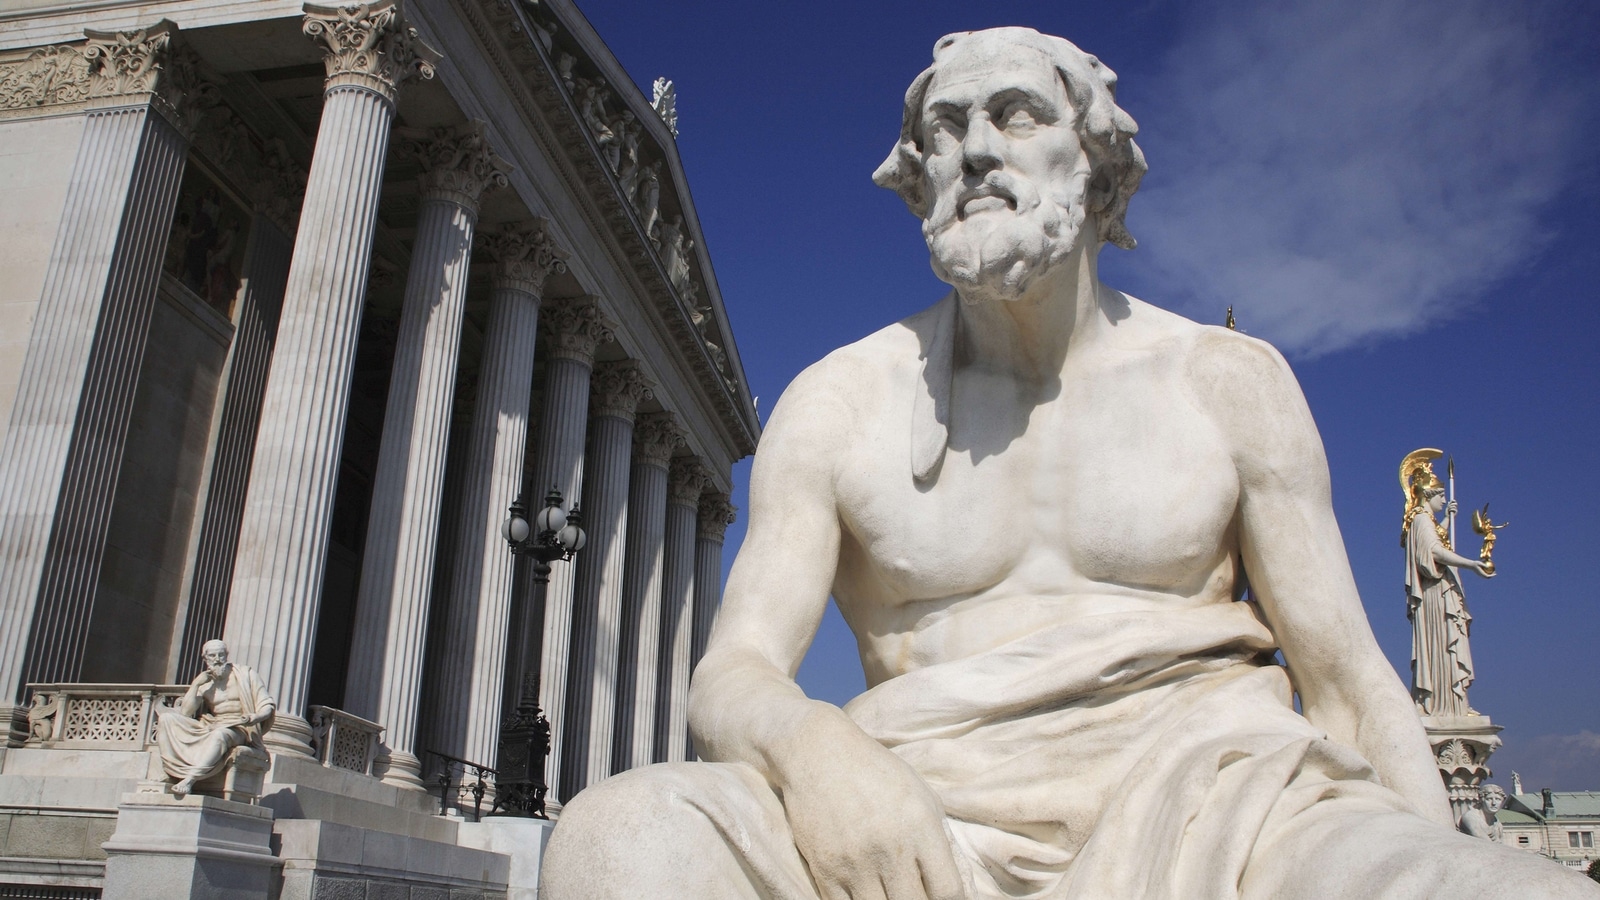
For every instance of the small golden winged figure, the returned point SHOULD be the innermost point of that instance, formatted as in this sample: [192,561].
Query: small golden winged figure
[1482,524]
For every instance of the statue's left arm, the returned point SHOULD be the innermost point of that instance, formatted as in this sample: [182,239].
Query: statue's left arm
[1290,544]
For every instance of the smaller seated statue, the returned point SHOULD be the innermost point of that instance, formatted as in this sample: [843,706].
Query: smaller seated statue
[1482,819]
[226,707]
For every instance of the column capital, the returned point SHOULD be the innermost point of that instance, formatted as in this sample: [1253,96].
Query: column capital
[524,256]
[687,478]
[368,45]
[458,164]
[576,328]
[716,514]
[150,65]
[618,388]
[655,437]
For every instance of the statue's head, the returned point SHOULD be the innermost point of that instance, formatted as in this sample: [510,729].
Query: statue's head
[1494,797]
[215,653]
[1011,143]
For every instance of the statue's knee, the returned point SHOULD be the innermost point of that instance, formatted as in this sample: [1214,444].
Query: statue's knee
[635,798]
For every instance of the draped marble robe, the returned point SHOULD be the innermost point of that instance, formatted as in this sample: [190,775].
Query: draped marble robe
[195,739]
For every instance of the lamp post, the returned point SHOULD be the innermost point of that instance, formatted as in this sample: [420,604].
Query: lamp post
[525,734]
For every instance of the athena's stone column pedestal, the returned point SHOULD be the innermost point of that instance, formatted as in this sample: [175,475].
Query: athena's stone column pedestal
[597,598]
[1461,747]
[464,692]
[385,673]
[283,538]
[686,479]
[655,437]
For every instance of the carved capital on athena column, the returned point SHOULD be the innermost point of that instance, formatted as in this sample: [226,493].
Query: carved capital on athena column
[458,164]
[716,514]
[656,436]
[687,479]
[369,45]
[575,328]
[524,256]
[151,64]
[618,388]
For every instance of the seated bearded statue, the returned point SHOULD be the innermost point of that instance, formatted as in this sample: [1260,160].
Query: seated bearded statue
[1035,504]
[226,706]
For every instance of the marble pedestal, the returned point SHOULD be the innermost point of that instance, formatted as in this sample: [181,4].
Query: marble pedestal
[523,840]
[197,847]
[1461,747]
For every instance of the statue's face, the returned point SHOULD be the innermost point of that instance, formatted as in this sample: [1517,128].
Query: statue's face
[1436,501]
[1006,171]
[1493,801]
[216,657]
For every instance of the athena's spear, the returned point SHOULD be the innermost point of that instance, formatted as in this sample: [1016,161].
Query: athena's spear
[1452,507]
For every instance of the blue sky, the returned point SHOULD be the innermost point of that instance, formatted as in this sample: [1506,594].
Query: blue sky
[1399,195]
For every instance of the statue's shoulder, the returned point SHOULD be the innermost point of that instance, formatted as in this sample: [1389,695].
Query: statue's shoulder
[866,369]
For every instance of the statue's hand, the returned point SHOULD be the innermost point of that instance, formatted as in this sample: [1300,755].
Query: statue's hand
[1450,508]
[865,822]
[1484,569]
[201,680]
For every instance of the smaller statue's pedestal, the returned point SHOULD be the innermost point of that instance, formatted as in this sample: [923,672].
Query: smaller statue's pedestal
[194,847]
[521,839]
[1461,748]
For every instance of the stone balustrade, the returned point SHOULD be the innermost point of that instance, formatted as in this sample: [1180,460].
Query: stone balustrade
[344,741]
[97,716]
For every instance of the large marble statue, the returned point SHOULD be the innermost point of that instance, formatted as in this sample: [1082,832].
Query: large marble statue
[1441,654]
[1034,504]
[226,706]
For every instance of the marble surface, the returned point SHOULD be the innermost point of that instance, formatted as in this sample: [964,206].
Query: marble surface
[1035,503]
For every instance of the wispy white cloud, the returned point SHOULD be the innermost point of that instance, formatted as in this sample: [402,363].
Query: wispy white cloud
[1343,171]
[1562,762]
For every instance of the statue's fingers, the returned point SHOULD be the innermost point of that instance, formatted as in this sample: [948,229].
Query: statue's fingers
[940,877]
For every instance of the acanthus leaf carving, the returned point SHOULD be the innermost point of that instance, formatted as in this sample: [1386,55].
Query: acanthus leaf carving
[716,514]
[151,62]
[524,256]
[575,328]
[49,76]
[687,478]
[618,388]
[656,436]
[369,45]
[457,163]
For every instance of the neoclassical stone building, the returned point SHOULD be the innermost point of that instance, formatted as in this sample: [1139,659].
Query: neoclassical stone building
[297,299]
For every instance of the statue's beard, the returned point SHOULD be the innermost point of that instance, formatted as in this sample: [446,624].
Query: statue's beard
[217,670]
[999,254]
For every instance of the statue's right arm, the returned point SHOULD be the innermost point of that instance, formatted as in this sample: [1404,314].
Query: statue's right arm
[859,814]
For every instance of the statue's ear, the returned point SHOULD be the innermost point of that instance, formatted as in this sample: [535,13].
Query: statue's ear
[930,409]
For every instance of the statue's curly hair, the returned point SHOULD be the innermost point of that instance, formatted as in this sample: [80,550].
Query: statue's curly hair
[1106,129]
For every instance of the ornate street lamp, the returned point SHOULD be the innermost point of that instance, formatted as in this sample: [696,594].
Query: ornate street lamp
[525,734]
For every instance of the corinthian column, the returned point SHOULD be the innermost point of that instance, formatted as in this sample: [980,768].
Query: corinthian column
[716,514]
[63,447]
[655,437]
[464,691]
[385,673]
[283,537]
[597,597]
[686,479]
[573,329]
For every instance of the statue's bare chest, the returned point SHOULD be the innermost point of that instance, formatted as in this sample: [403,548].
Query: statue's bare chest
[1110,482]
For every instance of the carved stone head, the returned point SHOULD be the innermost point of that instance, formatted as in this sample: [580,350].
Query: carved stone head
[215,653]
[1009,144]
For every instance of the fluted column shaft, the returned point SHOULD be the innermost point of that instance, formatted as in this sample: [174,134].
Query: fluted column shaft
[63,448]
[385,673]
[685,481]
[597,595]
[715,515]
[655,437]
[466,687]
[283,539]
[574,330]
[266,269]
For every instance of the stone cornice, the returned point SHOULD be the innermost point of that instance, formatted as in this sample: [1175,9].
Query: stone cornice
[716,514]
[575,328]
[656,436]
[458,164]
[57,75]
[369,45]
[618,388]
[687,478]
[151,65]
[521,48]
[523,256]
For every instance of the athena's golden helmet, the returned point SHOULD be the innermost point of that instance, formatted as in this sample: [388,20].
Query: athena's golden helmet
[1417,480]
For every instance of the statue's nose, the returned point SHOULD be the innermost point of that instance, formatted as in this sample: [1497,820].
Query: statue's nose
[979,151]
